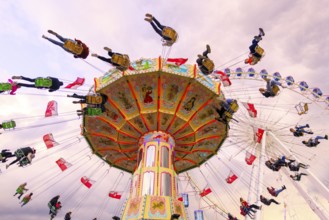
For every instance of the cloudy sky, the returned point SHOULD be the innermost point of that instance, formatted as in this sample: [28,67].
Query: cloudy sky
[296,43]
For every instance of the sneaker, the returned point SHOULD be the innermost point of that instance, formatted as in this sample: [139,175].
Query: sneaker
[149,15]
[208,48]
[261,31]
[201,57]
[258,38]
[107,49]
[16,77]
[311,132]
[284,187]
[94,55]
[43,36]
[326,137]
[7,166]
[307,125]
[75,102]
[148,19]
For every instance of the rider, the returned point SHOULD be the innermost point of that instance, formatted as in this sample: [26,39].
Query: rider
[293,167]
[168,34]
[227,108]
[68,216]
[299,130]
[9,86]
[267,201]
[24,156]
[75,47]
[256,52]
[20,190]
[245,205]
[314,142]
[54,205]
[272,88]
[5,154]
[205,64]
[120,61]
[298,176]
[274,192]
[50,83]
[26,199]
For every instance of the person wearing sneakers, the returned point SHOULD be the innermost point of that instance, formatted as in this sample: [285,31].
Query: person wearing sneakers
[50,83]
[120,61]
[205,64]
[314,142]
[75,47]
[168,34]
[299,130]
[272,88]
[298,176]
[274,192]
[256,52]
[267,201]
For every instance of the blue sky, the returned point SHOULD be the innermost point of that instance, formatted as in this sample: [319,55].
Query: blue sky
[296,43]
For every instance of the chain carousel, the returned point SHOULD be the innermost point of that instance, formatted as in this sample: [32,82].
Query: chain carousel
[159,121]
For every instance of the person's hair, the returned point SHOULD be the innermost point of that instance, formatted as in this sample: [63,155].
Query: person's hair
[246,61]
[291,129]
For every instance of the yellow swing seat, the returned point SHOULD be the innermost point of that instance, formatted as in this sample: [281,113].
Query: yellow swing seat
[73,47]
[94,99]
[170,33]
[208,64]
[121,60]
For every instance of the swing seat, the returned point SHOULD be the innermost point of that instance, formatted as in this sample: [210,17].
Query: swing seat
[121,60]
[1,157]
[43,82]
[302,108]
[275,89]
[9,124]
[208,64]
[73,47]
[94,99]
[94,111]
[5,87]
[259,50]
[24,162]
[19,153]
[269,164]
[168,32]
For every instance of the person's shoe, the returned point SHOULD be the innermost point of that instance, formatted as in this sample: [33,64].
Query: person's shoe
[284,187]
[7,166]
[43,36]
[311,132]
[75,102]
[148,19]
[149,15]
[107,49]
[307,125]
[201,57]
[260,207]
[258,38]
[261,31]
[52,32]
[326,137]
[94,55]
[208,48]
[16,77]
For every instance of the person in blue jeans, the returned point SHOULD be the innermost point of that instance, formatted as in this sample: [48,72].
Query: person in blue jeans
[314,142]
[168,34]
[274,192]
[254,57]
[83,49]
[299,130]
[271,88]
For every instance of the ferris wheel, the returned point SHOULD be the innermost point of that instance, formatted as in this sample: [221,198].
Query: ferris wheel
[260,133]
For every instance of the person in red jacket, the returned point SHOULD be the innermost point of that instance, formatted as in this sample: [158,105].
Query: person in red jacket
[75,47]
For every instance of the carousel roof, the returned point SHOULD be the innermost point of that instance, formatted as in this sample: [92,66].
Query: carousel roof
[153,96]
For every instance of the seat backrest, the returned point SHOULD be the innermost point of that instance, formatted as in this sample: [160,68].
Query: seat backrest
[170,33]
[208,64]
[43,82]
[73,47]
[5,87]
[275,89]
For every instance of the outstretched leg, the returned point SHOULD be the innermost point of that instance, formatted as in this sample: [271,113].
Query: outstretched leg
[53,41]
[63,39]
[274,201]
